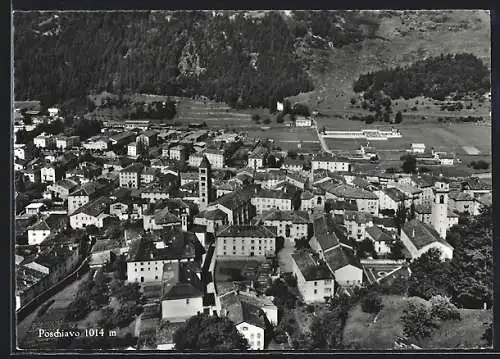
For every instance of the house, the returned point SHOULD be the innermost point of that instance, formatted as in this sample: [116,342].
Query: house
[92,213]
[33,174]
[357,223]
[297,180]
[97,143]
[461,202]
[182,292]
[23,152]
[149,175]
[213,219]
[417,148]
[315,281]
[148,253]
[120,139]
[148,138]
[269,179]
[257,157]
[419,237]
[160,219]
[133,149]
[246,241]
[413,193]
[423,213]
[366,201]
[237,206]
[263,302]
[301,121]
[381,239]
[250,321]
[44,141]
[265,200]
[130,176]
[216,158]
[34,208]
[309,200]
[345,267]
[290,225]
[38,232]
[330,163]
[392,198]
[67,142]
[100,259]
[50,173]
[325,236]
[447,159]
[195,159]
[178,153]
[293,164]
[61,189]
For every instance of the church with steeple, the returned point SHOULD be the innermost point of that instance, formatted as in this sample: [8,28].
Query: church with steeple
[205,183]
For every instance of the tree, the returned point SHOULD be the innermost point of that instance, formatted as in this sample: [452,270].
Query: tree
[396,248]
[399,117]
[430,275]
[292,154]
[326,330]
[409,164]
[78,309]
[417,321]
[488,335]
[366,248]
[203,332]
[443,309]
[280,242]
[255,117]
[267,121]
[371,303]
[301,243]
[401,216]
[280,117]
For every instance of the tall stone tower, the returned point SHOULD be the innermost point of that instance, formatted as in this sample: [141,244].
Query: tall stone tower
[205,182]
[439,214]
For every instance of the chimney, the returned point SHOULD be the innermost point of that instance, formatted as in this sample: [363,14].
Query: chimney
[413,233]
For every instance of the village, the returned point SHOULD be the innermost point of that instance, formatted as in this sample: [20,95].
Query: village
[210,220]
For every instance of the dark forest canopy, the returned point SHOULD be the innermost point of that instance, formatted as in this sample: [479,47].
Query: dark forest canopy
[434,77]
[241,61]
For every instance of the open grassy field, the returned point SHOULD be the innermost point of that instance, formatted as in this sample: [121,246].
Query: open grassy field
[362,332]
[402,38]
[444,137]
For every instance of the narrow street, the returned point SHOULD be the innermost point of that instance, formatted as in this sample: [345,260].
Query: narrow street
[321,139]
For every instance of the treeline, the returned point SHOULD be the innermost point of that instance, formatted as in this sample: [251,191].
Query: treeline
[239,60]
[434,77]
[340,27]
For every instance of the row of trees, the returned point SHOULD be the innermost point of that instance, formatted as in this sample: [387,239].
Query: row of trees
[468,278]
[435,77]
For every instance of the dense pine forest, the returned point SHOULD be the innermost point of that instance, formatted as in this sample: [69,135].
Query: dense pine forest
[434,77]
[242,61]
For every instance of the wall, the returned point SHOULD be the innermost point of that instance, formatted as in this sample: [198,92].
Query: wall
[179,310]
[349,275]
[254,335]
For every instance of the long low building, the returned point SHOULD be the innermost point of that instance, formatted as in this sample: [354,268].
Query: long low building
[247,241]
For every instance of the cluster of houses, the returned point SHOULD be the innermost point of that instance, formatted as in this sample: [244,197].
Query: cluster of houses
[196,213]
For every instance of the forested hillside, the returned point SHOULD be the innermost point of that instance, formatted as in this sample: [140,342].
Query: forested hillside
[435,77]
[244,61]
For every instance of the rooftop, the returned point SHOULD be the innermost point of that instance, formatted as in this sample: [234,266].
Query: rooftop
[325,233]
[309,267]
[268,193]
[247,231]
[296,217]
[180,282]
[348,191]
[340,257]
[421,234]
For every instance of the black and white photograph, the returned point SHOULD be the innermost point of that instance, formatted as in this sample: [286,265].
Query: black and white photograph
[252,180]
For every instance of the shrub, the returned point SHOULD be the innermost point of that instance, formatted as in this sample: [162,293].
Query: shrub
[417,321]
[442,308]
[255,117]
[310,308]
[371,303]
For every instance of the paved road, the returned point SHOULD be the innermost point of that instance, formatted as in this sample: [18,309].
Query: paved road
[321,139]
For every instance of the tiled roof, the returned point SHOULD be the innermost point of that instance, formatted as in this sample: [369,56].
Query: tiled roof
[395,194]
[379,234]
[340,257]
[94,208]
[244,312]
[247,231]
[347,191]
[358,217]
[134,167]
[296,217]
[309,267]
[325,233]
[263,193]
[421,234]
[180,282]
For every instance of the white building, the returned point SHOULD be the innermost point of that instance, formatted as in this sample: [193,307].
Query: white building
[44,141]
[302,121]
[418,238]
[330,163]
[38,232]
[265,200]
[246,241]
[315,281]
[417,148]
[215,157]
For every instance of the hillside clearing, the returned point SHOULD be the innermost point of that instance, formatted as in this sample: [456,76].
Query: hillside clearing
[360,331]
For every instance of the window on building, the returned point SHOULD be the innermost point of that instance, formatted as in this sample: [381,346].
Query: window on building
[315,291]
[244,329]
[315,284]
